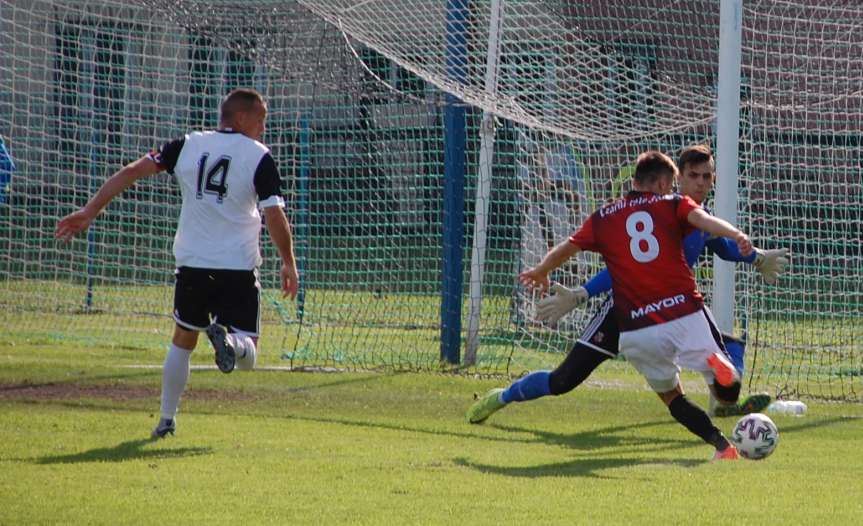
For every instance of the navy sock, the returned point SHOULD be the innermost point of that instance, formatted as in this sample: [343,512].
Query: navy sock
[535,385]
[697,422]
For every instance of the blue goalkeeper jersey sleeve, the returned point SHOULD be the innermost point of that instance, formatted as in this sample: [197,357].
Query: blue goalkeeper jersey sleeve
[693,246]
[599,283]
[723,247]
[727,250]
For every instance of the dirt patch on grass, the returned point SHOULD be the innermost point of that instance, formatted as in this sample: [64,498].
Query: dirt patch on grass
[114,392]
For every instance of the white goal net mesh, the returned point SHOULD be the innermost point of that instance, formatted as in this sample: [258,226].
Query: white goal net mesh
[358,91]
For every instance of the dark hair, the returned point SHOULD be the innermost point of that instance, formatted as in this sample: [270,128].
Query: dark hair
[653,165]
[695,154]
[240,100]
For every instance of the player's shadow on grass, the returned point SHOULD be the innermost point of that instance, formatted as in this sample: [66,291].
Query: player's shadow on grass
[583,467]
[614,440]
[606,437]
[129,450]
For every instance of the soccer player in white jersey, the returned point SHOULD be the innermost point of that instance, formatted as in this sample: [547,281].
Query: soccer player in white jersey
[225,176]
[663,321]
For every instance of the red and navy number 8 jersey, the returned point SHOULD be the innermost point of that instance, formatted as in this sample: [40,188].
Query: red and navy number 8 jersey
[641,239]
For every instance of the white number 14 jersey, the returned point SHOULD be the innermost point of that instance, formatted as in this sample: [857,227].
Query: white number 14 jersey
[224,176]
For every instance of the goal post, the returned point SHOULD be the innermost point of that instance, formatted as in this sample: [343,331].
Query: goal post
[483,187]
[727,160]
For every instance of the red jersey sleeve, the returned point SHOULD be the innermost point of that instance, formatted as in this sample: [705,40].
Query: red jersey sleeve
[684,206]
[585,238]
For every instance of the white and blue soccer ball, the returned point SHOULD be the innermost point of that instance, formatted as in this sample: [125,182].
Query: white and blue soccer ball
[755,436]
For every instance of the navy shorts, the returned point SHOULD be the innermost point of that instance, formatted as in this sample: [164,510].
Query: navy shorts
[229,297]
[602,334]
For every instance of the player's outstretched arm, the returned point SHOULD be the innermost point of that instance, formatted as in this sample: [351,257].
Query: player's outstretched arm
[537,277]
[770,263]
[280,233]
[124,178]
[727,250]
[719,227]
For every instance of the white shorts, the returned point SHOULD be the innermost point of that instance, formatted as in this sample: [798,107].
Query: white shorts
[659,351]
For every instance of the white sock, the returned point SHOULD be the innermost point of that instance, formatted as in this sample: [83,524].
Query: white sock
[244,347]
[175,374]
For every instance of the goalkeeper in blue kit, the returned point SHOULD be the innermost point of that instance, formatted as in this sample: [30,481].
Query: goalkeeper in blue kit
[599,340]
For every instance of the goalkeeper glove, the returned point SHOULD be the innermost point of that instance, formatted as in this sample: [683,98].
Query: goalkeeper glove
[563,300]
[770,263]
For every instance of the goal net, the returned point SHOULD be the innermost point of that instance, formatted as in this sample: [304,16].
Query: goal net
[565,95]
[801,186]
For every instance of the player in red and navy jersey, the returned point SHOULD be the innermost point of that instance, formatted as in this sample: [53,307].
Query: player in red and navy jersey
[661,315]
[598,340]
[228,180]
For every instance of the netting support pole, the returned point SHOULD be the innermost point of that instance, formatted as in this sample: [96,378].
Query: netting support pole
[727,137]
[455,138]
[302,218]
[91,232]
[88,45]
[483,188]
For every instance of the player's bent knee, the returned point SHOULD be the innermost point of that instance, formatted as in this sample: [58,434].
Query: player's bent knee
[728,394]
[575,368]
[247,362]
[664,385]
[668,397]
[185,338]
[559,383]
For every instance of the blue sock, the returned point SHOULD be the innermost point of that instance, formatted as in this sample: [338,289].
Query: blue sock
[535,385]
[735,351]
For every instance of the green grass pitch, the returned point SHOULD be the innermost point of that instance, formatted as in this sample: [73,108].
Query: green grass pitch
[273,447]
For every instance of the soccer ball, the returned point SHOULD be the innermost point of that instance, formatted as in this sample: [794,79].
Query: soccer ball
[755,436]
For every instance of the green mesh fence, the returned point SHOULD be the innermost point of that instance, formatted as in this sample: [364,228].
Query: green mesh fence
[356,98]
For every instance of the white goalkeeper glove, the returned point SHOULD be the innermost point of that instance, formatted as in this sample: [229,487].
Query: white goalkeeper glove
[562,300]
[770,263]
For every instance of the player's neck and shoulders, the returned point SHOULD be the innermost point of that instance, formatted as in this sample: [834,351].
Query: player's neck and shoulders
[647,195]
[635,198]
[229,135]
